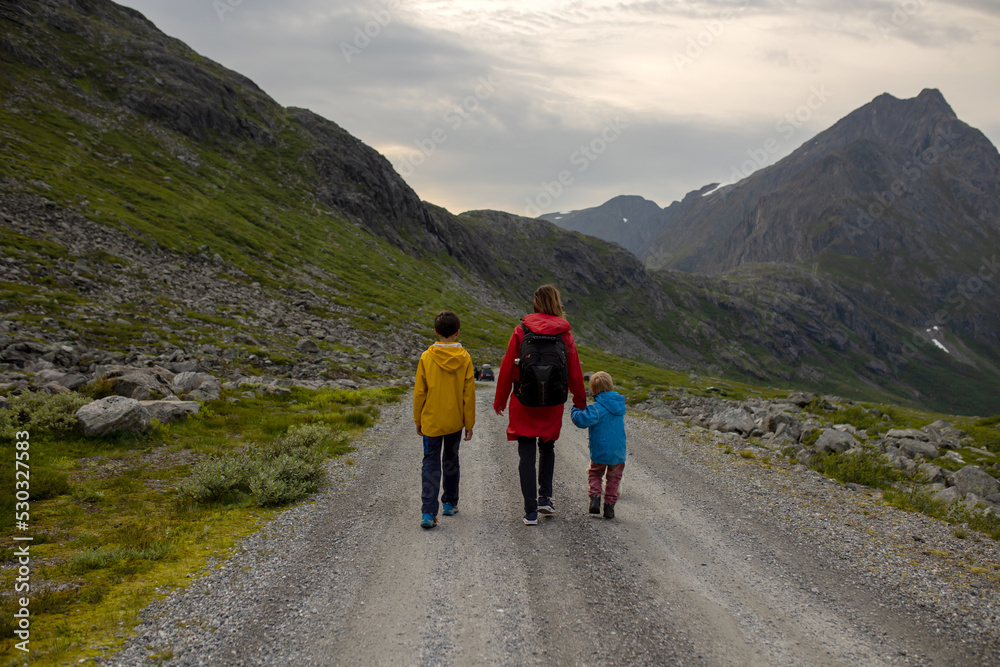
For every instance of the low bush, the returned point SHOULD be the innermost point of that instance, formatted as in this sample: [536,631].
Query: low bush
[36,413]
[279,472]
[865,465]
[47,483]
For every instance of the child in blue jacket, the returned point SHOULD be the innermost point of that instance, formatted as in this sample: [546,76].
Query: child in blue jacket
[606,420]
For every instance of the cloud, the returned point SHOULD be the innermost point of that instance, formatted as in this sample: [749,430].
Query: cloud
[699,82]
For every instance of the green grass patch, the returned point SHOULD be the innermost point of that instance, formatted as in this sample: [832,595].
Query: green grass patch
[914,498]
[111,527]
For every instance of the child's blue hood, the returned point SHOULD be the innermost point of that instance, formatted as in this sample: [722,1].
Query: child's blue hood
[612,401]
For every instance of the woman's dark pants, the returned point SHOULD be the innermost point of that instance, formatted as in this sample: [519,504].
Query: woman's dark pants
[531,489]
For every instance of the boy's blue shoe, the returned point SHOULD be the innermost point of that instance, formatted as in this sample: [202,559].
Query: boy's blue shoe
[531,519]
[545,506]
[428,521]
[448,509]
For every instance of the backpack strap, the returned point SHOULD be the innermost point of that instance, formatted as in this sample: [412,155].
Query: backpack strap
[517,368]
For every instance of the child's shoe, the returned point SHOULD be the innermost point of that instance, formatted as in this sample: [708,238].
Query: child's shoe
[448,509]
[545,506]
[428,521]
[595,504]
[609,510]
[531,519]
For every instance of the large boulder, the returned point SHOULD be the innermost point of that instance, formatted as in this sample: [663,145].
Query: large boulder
[908,433]
[733,420]
[196,386]
[171,411]
[833,441]
[114,414]
[973,479]
[140,386]
[932,473]
[307,346]
[950,495]
[914,448]
[801,398]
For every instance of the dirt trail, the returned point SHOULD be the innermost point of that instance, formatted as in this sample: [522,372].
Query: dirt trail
[685,575]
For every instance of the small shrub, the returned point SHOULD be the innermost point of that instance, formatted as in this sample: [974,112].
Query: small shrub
[281,471]
[98,388]
[38,413]
[358,419]
[47,484]
[87,493]
[859,417]
[747,454]
[95,559]
[810,438]
[866,466]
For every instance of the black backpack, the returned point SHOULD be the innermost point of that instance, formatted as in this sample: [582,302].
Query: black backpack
[542,370]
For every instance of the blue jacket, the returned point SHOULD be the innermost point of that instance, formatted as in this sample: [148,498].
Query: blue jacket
[606,419]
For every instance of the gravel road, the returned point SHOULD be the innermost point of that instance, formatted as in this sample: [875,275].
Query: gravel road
[713,559]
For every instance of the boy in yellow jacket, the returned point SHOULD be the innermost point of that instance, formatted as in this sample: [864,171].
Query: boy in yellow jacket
[444,402]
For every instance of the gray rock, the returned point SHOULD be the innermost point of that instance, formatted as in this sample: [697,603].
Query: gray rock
[801,398]
[932,473]
[4,405]
[245,339]
[949,495]
[307,346]
[832,441]
[183,366]
[918,448]
[908,433]
[792,431]
[53,388]
[171,411]
[139,385]
[658,409]
[197,386]
[973,479]
[807,456]
[733,420]
[113,414]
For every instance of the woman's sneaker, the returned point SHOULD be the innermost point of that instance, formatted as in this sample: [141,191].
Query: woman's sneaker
[545,506]
[428,521]
[595,504]
[448,509]
[531,519]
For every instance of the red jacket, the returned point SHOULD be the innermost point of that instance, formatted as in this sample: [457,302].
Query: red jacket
[544,423]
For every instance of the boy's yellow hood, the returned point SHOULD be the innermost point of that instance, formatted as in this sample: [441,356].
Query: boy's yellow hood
[449,356]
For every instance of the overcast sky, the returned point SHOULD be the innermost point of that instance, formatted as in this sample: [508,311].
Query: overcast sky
[488,103]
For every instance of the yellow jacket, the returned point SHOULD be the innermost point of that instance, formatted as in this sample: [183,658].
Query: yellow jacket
[444,394]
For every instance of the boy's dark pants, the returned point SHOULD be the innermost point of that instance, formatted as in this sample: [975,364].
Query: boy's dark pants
[531,489]
[434,460]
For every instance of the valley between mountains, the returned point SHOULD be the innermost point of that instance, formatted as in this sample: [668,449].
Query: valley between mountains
[713,559]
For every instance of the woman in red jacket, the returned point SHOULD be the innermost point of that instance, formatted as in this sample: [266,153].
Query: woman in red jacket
[537,428]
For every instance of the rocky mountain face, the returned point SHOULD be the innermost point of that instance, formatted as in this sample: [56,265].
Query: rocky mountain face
[162,211]
[898,203]
[630,221]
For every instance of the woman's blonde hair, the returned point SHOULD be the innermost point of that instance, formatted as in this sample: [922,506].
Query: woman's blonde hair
[600,382]
[548,301]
